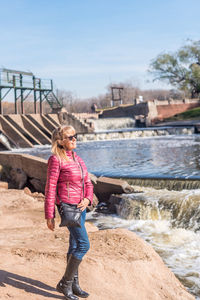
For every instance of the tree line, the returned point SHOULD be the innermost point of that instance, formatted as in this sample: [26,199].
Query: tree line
[180,69]
[129,94]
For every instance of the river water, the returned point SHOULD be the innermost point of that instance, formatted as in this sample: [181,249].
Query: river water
[168,220]
[177,156]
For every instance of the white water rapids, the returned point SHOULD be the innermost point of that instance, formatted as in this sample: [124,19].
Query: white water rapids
[169,221]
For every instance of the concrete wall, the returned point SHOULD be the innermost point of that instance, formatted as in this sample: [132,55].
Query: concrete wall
[166,111]
[32,128]
[159,110]
[14,134]
[125,111]
[152,110]
[78,124]
[34,167]
[25,131]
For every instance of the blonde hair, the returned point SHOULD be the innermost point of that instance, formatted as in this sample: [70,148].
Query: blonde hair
[56,139]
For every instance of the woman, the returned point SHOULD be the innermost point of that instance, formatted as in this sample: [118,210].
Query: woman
[65,183]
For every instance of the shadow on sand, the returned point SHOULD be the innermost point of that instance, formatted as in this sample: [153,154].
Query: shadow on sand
[27,284]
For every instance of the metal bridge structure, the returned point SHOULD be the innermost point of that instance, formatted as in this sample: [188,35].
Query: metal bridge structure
[23,84]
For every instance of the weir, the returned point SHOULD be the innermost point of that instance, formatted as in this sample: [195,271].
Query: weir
[38,120]
[35,130]
[169,183]
[25,131]
[14,134]
[133,133]
[112,123]
[28,130]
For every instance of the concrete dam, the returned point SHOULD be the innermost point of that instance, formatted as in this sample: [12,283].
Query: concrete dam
[29,130]
[26,131]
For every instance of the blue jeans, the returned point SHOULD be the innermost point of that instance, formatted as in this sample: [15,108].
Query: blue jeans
[78,239]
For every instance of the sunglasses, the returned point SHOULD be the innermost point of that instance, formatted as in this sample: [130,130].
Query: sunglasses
[71,137]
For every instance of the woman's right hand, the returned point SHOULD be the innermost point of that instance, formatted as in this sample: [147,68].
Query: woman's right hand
[51,224]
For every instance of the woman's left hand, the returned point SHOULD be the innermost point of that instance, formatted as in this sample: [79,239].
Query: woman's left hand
[83,204]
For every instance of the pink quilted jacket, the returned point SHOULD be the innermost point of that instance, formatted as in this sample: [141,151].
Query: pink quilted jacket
[64,182]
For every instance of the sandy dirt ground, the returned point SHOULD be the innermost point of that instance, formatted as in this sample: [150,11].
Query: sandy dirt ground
[119,265]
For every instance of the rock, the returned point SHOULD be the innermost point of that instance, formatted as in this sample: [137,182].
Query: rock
[38,196]
[4,184]
[107,186]
[93,178]
[120,265]
[38,185]
[127,206]
[113,202]
[18,177]
[4,173]
[27,191]
[1,169]
[102,207]
[90,227]
[34,167]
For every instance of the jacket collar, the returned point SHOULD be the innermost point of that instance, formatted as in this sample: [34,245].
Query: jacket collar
[71,154]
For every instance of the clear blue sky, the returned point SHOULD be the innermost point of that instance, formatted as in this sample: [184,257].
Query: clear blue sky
[84,45]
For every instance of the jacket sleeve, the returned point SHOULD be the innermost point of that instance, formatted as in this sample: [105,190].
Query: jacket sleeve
[88,186]
[53,171]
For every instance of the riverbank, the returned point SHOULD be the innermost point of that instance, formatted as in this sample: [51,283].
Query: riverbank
[119,264]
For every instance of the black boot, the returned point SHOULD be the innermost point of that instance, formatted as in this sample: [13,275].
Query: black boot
[76,288]
[75,285]
[65,284]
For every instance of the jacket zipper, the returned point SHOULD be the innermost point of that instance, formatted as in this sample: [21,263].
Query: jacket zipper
[82,177]
[68,189]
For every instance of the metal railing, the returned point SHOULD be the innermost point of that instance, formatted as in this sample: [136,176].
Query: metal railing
[19,79]
[22,84]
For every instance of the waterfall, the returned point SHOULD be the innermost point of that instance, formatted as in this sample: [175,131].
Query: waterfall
[112,123]
[181,209]
[170,183]
[111,132]
[5,142]
[168,220]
